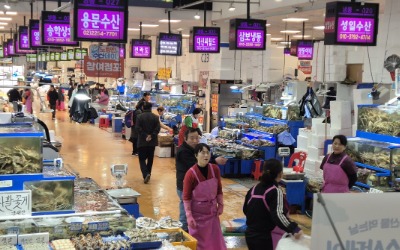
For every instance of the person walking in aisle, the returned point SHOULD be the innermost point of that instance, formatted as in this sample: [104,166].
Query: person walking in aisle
[61,98]
[147,126]
[134,135]
[14,97]
[185,158]
[340,172]
[203,200]
[266,210]
[189,122]
[28,97]
[52,96]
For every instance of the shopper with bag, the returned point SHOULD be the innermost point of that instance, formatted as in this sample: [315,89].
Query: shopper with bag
[266,210]
[203,201]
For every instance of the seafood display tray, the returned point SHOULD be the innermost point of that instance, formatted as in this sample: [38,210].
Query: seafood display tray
[18,180]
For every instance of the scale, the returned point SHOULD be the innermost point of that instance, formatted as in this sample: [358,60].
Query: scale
[119,171]
[288,173]
[283,152]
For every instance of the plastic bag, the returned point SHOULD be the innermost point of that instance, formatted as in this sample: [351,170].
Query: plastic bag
[290,243]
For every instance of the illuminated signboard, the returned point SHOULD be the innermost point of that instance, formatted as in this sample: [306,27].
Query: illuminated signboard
[348,23]
[56,29]
[23,38]
[121,47]
[204,40]
[34,33]
[71,54]
[305,49]
[247,34]
[10,46]
[64,56]
[169,44]
[79,54]
[1,51]
[5,49]
[100,21]
[140,48]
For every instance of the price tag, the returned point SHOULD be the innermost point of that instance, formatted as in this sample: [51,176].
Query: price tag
[75,226]
[92,226]
[98,226]
[33,238]
[13,230]
[15,203]
[6,183]
[58,230]
[9,239]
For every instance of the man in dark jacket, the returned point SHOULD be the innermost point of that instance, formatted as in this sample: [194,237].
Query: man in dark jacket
[52,96]
[147,126]
[14,97]
[184,160]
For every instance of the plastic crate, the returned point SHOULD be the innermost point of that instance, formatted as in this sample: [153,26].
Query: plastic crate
[189,242]
[230,168]
[146,245]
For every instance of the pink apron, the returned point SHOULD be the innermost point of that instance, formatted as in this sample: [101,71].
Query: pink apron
[28,103]
[204,210]
[335,179]
[277,232]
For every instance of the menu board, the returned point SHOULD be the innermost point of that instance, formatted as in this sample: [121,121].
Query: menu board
[10,46]
[204,40]
[305,49]
[56,29]
[64,56]
[34,33]
[140,48]
[169,44]
[100,21]
[348,23]
[247,34]
[23,37]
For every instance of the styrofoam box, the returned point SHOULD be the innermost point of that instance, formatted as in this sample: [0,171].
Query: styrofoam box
[309,165]
[340,114]
[318,141]
[302,142]
[163,152]
[343,131]
[321,129]
[305,132]
[5,117]
[301,150]
[314,153]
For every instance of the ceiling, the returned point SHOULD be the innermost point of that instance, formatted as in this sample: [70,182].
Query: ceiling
[313,11]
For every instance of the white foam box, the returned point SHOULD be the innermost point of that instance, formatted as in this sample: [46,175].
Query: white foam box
[340,114]
[318,140]
[302,142]
[5,117]
[305,132]
[318,165]
[309,165]
[321,129]
[163,152]
[343,131]
[314,153]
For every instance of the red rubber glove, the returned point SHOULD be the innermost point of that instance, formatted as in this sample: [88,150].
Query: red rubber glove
[220,201]
[188,210]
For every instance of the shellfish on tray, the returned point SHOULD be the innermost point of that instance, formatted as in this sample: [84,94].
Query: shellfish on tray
[168,223]
[146,222]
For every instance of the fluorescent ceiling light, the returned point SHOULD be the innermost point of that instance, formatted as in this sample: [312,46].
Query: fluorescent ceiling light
[3,23]
[5,18]
[295,19]
[280,47]
[231,7]
[284,42]
[150,25]
[268,24]
[290,31]
[7,6]
[268,34]
[301,36]
[197,16]
[172,21]
[276,38]
[8,13]
[1,27]
[185,35]
[319,27]
[234,87]
[133,29]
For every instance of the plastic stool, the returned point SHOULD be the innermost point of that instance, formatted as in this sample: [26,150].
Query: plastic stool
[257,170]
[104,122]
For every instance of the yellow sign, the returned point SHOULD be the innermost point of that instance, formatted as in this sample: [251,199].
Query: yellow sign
[214,104]
[164,73]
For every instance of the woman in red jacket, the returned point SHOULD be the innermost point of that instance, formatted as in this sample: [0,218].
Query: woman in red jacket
[203,201]
[189,122]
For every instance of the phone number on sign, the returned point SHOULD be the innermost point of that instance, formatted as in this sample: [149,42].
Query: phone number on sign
[355,37]
[100,33]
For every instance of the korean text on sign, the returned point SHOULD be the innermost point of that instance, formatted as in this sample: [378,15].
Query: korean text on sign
[250,38]
[16,204]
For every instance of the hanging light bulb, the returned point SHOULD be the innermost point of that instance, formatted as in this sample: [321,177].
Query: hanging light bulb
[232,7]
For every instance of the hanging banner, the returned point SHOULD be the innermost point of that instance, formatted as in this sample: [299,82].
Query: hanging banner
[164,73]
[203,79]
[214,104]
[103,67]
[305,67]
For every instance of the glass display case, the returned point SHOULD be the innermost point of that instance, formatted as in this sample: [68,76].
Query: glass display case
[232,150]
[177,104]
[384,120]
[290,113]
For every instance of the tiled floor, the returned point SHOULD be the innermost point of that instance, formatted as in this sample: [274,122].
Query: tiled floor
[91,151]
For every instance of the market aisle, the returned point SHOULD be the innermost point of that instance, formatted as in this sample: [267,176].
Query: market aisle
[91,151]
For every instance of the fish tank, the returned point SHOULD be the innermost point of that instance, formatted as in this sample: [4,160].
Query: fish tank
[54,195]
[21,150]
[290,113]
[383,120]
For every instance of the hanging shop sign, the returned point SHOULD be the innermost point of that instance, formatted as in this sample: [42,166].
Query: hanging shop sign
[23,37]
[10,45]
[34,33]
[64,56]
[305,49]
[286,51]
[18,50]
[169,44]
[1,51]
[79,54]
[103,67]
[104,52]
[164,73]
[15,204]
[293,47]
[361,228]
[5,49]
[56,29]
[31,58]
[70,54]
[57,56]
[247,34]
[140,48]
[204,40]
[351,23]
[100,21]
[305,67]
[121,48]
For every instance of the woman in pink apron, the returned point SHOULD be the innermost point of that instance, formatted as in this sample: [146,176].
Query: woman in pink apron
[340,172]
[189,122]
[266,210]
[203,201]
[28,95]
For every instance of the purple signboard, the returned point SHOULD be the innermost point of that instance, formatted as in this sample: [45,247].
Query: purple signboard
[286,51]
[23,37]
[34,33]
[100,21]
[351,23]
[1,51]
[140,48]
[121,47]
[5,49]
[169,44]
[204,40]
[10,46]
[247,34]
[56,29]
[305,49]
